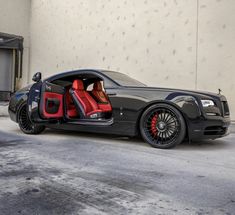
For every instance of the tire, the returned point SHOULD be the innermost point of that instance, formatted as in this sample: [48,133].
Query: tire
[25,124]
[162,126]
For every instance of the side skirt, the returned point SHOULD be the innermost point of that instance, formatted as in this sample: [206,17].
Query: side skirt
[95,122]
[108,127]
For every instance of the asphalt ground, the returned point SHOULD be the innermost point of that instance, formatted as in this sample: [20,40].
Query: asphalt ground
[61,172]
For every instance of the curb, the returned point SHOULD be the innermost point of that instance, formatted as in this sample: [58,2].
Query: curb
[232,127]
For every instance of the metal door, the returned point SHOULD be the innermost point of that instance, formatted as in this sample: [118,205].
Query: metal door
[6,70]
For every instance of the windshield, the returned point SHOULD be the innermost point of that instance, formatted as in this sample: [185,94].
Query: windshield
[124,80]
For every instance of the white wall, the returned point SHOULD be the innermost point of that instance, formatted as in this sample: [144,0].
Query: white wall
[14,19]
[216,49]
[174,43]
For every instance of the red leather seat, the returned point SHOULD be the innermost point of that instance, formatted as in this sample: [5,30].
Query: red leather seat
[70,107]
[85,104]
[101,97]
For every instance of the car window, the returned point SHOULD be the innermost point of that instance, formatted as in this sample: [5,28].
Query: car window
[123,79]
[90,87]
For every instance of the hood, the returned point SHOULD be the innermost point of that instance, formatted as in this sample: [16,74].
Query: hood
[201,94]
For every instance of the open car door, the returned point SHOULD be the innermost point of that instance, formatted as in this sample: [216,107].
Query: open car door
[45,102]
[51,104]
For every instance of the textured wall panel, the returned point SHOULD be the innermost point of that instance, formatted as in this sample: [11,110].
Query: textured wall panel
[151,40]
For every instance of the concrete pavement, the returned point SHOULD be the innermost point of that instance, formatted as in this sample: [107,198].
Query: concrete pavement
[61,172]
[3,109]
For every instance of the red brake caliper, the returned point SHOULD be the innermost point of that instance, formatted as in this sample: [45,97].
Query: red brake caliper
[153,125]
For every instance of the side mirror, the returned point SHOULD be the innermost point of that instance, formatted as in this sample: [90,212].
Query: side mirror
[37,77]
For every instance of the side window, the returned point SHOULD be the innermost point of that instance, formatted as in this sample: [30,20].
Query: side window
[102,83]
[108,84]
[90,87]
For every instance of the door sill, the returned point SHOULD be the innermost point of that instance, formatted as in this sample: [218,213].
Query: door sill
[102,122]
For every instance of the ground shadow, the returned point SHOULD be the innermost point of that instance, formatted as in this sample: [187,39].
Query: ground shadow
[186,145]
[204,145]
[95,136]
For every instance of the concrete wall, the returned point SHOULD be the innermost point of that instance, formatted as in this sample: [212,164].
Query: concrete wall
[216,48]
[14,19]
[175,43]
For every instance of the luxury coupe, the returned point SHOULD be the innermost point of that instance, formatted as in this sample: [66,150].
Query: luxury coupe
[111,102]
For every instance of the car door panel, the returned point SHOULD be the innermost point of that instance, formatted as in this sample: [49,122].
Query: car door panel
[45,102]
[34,102]
[125,105]
[51,104]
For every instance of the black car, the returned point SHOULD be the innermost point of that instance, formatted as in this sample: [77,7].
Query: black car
[111,102]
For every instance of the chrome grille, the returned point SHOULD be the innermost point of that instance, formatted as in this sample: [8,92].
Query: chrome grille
[225,108]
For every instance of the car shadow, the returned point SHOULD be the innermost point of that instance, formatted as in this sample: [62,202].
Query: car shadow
[204,145]
[186,145]
[96,136]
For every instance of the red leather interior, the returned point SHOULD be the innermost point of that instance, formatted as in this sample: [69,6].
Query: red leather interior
[105,107]
[71,109]
[49,95]
[78,85]
[97,86]
[72,113]
[101,97]
[91,103]
[88,104]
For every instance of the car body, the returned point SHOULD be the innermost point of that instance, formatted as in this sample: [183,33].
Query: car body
[203,115]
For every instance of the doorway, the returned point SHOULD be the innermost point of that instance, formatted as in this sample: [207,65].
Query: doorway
[11,56]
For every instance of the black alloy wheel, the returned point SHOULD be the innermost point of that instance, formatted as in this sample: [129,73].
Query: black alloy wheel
[25,124]
[162,126]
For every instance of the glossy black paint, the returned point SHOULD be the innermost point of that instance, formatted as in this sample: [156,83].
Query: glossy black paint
[128,105]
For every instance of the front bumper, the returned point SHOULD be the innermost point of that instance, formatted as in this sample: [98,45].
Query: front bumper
[209,128]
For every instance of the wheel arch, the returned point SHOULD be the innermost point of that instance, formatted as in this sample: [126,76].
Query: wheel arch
[20,105]
[162,102]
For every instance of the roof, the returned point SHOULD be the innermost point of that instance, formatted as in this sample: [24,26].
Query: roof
[11,41]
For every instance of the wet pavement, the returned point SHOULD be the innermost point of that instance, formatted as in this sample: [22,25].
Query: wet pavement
[61,172]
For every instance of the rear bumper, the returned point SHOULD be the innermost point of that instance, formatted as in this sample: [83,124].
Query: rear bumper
[210,128]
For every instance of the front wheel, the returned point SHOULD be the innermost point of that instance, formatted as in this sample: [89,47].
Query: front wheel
[25,124]
[162,126]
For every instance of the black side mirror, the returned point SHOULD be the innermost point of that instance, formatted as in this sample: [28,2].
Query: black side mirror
[37,77]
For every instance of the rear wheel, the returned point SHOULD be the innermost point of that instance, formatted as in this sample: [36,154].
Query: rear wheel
[162,126]
[26,125]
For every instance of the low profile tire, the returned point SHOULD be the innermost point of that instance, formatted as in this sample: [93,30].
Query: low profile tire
[162,126]
[26,125]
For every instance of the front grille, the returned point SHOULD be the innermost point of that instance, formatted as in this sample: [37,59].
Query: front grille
[215,130]
[225,108]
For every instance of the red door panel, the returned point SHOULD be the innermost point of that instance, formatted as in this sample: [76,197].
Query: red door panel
[52,101]
[52,105]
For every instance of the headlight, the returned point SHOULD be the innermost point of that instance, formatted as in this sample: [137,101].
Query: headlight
[207,103]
